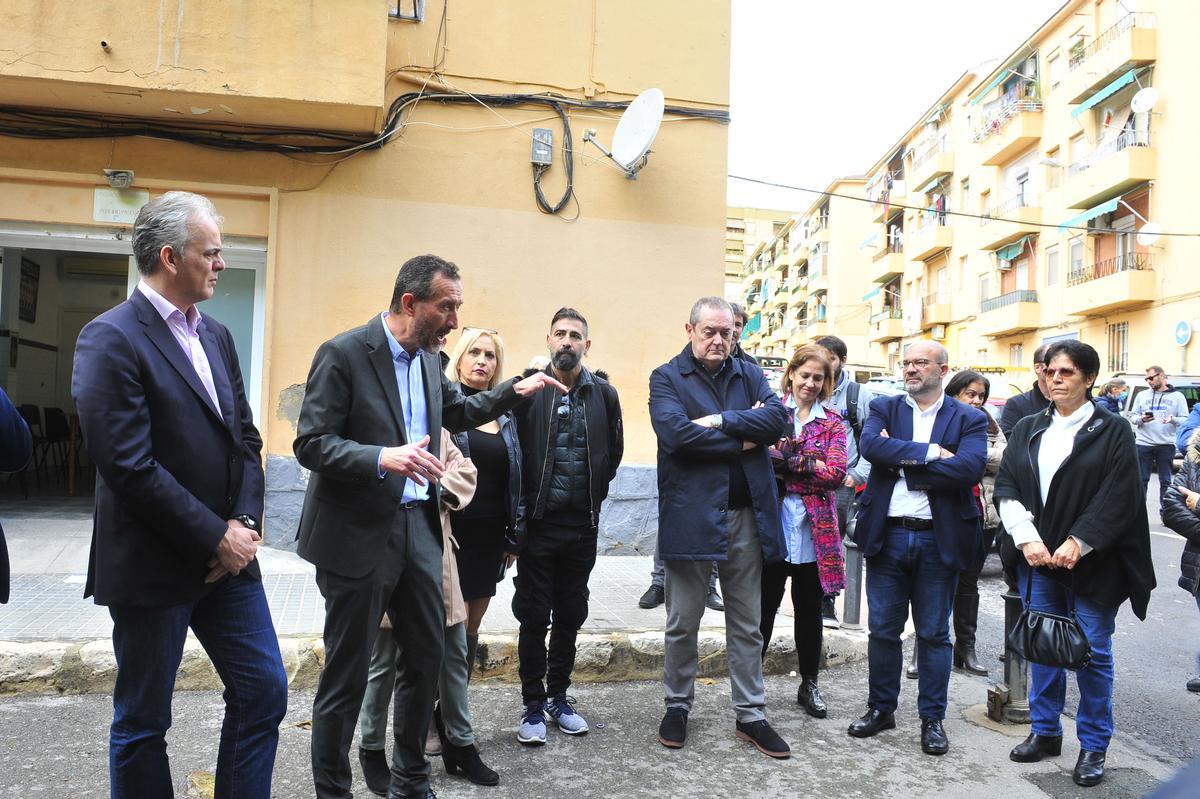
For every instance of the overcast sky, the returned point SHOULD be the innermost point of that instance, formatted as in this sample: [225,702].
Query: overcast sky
[821,89]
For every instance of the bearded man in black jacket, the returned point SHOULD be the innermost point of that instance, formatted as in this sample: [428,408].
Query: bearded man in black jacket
[1034,400]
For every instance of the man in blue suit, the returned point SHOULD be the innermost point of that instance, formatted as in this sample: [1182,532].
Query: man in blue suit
[16,445]
[179,493]
[918,527]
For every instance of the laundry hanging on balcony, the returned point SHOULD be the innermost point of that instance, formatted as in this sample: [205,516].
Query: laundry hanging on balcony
[1081,220]
[1103,94]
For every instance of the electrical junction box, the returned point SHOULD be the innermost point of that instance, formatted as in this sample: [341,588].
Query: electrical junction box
[543,147]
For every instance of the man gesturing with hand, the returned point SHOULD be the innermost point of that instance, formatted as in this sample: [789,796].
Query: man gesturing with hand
[369,430]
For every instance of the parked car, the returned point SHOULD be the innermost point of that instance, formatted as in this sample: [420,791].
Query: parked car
[1188,385]
[773,368]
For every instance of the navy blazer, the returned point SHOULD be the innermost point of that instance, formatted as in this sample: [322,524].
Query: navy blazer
[171,467]
[949,483]
[16,445]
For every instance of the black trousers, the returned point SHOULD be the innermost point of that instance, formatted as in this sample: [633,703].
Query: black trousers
[806,603]
[551,589]
[407,584]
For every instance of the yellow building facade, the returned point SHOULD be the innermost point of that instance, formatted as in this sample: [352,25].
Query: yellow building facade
[1014,210]
[745,229]
[319,238]
[810,279]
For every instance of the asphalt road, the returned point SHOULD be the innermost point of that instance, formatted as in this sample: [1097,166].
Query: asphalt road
[1154,658]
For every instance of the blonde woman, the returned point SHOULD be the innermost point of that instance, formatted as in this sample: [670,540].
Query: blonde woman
[487,530]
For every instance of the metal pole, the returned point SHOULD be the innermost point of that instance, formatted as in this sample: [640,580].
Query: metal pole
[1016,670]
[852,609]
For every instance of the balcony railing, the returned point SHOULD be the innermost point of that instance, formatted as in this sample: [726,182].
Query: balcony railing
[995,122]
[1006,208]
[1111,266]
[1004,300]
[939,146]
[938,298]
[816,223]
[890,312]
[1137,19]
[1127,138]
[930,217]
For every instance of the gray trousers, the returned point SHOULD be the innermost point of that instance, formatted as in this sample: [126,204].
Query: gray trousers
[452,686]
[686,591]
[658,575]
[407,582]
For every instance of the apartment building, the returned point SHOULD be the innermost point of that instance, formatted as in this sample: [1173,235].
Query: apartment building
[1019,208]
[745,229]
[809,279]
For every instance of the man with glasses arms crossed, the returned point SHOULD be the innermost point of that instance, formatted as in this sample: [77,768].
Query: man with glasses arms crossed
[571,446]
[1156,415]
[918,527]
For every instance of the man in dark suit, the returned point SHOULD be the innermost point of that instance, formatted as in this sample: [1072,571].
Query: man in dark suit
[918,526]
[16,445]
[369,431]
[179,493]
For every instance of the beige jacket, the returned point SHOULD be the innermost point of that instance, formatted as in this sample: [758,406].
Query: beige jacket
[458,488]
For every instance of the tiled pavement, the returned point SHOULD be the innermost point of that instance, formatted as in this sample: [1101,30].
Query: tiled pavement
[49,541]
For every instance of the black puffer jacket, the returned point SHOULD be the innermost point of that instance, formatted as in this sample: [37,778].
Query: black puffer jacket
[1177,516]
[605,439]
[568,486]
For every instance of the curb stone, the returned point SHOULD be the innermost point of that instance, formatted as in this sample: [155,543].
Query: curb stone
[79,667]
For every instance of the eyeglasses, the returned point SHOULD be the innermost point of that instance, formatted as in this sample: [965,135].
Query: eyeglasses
[564,409]
[920,363]
[1150,378]
[1065,372]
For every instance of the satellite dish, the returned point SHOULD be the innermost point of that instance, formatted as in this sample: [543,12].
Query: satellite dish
[635,132]
[1144,100]
[1149,234]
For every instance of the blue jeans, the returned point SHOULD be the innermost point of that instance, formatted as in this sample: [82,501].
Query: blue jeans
[233,624]
[909,569]
[1158,458]
[1048,686]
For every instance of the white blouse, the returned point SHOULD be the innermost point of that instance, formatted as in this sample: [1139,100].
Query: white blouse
[1057,442]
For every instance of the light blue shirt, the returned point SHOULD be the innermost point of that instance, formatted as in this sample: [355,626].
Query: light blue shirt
[797,529]
[410,380]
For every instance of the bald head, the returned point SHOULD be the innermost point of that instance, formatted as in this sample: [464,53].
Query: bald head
[924,366]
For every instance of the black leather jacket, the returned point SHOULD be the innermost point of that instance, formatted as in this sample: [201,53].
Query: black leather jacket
[516,499]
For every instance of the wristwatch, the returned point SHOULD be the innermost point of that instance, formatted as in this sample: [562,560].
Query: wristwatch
[248,520]
[715,421]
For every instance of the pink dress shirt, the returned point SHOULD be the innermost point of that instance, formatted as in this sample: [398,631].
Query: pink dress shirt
[184,329]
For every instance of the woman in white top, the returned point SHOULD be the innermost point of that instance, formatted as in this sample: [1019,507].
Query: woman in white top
[1071,499]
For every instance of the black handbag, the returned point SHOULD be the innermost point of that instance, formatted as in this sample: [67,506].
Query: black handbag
[1049,639]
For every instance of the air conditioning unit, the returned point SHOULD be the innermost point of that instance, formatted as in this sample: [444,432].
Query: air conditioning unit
[939,332]
[91,267]
[893,347]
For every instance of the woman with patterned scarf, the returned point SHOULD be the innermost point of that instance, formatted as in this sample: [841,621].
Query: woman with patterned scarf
[811,463]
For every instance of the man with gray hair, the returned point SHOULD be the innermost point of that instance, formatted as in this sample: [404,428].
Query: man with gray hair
[918,528]
[179,496]
[715,416]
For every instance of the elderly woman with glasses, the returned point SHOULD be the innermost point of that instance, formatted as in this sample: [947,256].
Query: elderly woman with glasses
[1070,498]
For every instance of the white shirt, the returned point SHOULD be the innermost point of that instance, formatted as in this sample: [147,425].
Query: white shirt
[906,501]
[1057,442]
[797,528]
[185,330]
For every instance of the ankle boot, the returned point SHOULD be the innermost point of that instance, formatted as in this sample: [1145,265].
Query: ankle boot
[472,650]
[466,759]
[911,672]
[810,698]
[966,620]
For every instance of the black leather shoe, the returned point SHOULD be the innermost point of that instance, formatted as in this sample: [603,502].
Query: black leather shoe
[715,602]
[810,699]
[933,737]
[1089,768]
[1035,747]
[1193,685]
[429,794]
[873,722]
[466,759]
[375,770]
[672,733]
[765,739]
[654,596]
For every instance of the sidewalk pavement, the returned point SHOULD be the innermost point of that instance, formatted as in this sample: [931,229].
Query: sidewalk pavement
[53,640]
